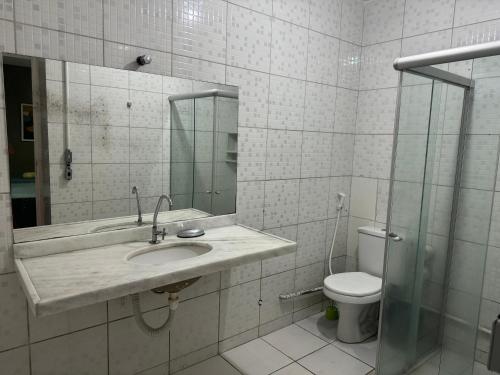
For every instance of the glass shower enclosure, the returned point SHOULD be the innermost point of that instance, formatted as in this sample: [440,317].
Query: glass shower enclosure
[203,150]
[441,219]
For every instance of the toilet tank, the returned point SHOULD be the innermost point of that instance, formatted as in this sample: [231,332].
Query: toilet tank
[371,249]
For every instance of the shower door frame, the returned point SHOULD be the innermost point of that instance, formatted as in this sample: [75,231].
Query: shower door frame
[467,84]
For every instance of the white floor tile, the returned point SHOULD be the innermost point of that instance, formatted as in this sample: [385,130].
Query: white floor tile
[256,357]
[333,361]
[320,326]
[365,351]
[293,369]
[294,341]
[212,366]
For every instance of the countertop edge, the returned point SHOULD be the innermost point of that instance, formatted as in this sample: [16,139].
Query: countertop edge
[29,288]
[54,306]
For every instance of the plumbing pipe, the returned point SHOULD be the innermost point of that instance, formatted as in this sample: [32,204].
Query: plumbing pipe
[173,300]
[300,293]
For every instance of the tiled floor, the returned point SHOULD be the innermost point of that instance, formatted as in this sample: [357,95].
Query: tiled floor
[305,348]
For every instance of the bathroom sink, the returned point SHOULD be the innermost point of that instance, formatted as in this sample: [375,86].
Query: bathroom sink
[170,252]
[119,226]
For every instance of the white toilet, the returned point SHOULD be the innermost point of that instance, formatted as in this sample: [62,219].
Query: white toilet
[357,294]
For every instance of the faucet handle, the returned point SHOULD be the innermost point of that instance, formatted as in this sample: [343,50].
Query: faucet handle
[163,233]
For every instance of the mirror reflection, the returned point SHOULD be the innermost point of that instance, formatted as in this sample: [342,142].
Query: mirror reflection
[89,143]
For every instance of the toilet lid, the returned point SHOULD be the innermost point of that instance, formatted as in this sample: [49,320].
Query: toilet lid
[356,284]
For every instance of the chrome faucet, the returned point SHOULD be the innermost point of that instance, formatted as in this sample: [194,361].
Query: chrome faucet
[154,230]
[138,199]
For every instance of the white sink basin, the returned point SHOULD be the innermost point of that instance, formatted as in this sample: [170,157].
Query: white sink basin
[167,253]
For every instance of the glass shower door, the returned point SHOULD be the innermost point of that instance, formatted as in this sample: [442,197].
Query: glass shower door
[419,222]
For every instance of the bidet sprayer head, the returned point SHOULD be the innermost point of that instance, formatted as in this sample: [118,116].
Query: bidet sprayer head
[341,199]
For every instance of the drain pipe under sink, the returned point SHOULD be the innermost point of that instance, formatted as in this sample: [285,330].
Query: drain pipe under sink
[173,299]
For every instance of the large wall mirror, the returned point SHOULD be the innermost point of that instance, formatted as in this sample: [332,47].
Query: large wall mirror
[90,147]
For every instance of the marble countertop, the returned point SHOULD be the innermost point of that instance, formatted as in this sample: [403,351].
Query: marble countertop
[102,225]
[66,280]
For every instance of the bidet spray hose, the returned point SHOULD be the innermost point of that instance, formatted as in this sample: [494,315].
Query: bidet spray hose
[341,199]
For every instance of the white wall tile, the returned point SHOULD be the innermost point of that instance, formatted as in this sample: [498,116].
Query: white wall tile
[425,16]
[139,24]
[199,29]
[131,351]
[319,107]
[264,6]
[40,42]
[351,28]
[363,197]
[109,106]
[110,144]
[191,68]
[81,352]
[310,243]
[295,11]
[283,262]
[286,103]
[467,12]
[271,287]
[349,65]
[313,203]
[288,50]
[189,333]
[6,237]
[110,181]
[345,111]
[253,96]
[372,156]
[46,327]
[480,162]
[251,154]
[82,17]
[249,39]
[239,309]
[474,207]
[326,16]
[428,42]
[240,274]
[316,154]
[383,21]
[376,66]
[78,189]
[281,204]
[322,58]
[13,317]
[283,154]
[250,203]
[342,154]
[15,361]
[7,36]
[377,111]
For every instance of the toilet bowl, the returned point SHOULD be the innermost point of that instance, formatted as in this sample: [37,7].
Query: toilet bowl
[357,294]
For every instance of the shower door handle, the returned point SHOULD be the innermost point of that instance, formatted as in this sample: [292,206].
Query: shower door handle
[395,237]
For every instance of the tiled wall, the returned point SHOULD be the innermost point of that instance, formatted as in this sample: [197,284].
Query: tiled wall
[297,65]
[405,27]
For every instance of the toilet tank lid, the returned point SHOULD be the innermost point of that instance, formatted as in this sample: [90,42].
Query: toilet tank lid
[373,231]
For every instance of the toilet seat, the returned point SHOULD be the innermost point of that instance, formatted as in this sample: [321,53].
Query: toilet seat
[353,287]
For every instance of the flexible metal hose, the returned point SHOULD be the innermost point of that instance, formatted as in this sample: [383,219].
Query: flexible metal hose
[173,300]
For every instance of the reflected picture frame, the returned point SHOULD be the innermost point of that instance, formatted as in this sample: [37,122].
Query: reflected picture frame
[27,126]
